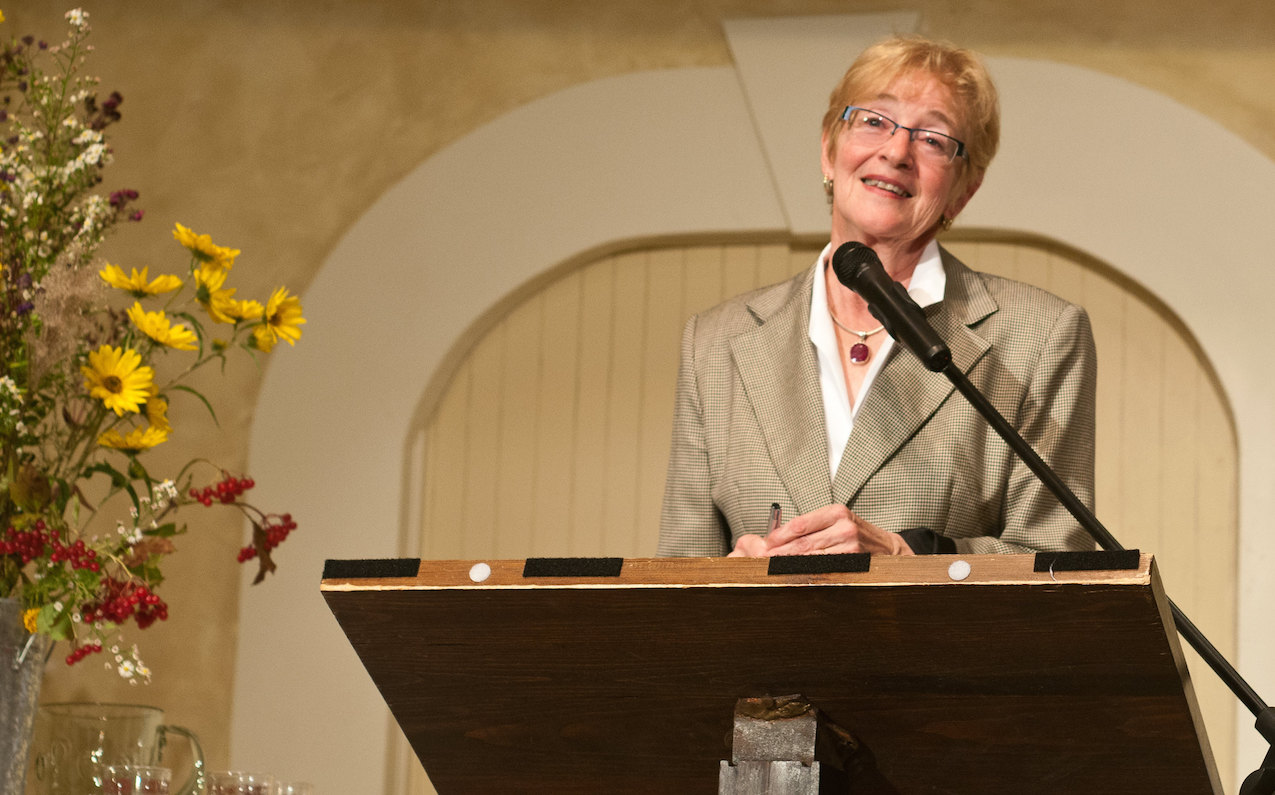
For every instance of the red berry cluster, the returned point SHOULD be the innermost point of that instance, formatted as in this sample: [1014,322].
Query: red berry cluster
[276,529]
[41,540]
[80,652]
[125,599]
[225,491]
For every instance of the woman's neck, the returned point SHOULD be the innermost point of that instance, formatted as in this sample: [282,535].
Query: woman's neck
[899,261]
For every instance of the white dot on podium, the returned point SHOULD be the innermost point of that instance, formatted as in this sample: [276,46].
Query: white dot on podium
[479,572]
[959,570]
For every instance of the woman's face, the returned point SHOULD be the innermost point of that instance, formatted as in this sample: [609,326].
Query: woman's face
[883,194]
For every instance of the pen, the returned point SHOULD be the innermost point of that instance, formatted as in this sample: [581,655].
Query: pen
[776,517]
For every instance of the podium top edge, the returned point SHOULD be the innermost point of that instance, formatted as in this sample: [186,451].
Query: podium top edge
[950,570]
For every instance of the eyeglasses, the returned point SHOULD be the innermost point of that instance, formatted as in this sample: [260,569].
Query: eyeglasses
[875,129]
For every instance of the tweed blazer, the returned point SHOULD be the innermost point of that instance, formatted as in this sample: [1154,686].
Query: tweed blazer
[749,429]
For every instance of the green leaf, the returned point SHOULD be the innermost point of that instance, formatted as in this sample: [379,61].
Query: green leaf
[87,581]
[132,495]
[197,327]
[117,478]
[31,490]
[53,622]
[138,472]
[207,405]
[119,481]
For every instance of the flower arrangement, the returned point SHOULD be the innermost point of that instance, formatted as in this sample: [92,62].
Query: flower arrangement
[91,356]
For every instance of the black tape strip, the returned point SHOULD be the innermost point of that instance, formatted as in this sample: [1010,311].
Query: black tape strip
[572,567]
[1094,560]
[371,569]
[847,563]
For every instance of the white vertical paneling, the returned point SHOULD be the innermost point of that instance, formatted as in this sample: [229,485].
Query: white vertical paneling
[1142,502]
[702,282]
[617,534]
[660,352]
[1066,279]
[1104,301]
[554,408]
[445,481]
[593,406]
[740,269]
[798,259]
[477,522]
[516,478]
[775,263]
[1178,493]
[1212,558]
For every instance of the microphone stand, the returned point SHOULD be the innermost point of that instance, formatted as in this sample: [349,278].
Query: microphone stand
[1262,780]
[859,269]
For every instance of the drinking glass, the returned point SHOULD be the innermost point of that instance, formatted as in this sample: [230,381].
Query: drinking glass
[73,742]
[240,782]
[294,788]
[135,780]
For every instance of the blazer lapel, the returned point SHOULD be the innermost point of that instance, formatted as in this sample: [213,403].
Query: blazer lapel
[905,394]
[775,361]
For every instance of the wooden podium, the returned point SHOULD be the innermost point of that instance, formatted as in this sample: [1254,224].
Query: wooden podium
[622,676]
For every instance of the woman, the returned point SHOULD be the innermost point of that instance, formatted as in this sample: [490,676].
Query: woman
[793,394]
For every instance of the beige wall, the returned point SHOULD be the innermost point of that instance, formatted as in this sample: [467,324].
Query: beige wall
[275,125]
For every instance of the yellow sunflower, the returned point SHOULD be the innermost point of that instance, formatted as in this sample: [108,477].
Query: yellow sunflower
[204,249]
[282,320]
[136,441]
[157,412]
[29,616]
[137,283]
[216,300]
[244,310]
[158,327]
[116,377]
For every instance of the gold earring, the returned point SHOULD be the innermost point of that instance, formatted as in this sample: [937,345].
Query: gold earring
[827,187]
[945,223]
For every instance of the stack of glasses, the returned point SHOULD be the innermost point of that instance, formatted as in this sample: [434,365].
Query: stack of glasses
[135,780]
[240,782]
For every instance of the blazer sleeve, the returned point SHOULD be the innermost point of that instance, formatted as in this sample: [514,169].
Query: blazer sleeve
[1056,417]
[690,524]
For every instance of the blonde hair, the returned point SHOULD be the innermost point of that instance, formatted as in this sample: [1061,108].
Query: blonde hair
[915,57]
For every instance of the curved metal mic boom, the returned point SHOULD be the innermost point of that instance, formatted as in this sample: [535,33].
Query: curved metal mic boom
[858,268]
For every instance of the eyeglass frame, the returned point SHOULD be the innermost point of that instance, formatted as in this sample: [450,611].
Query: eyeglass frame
[961,150]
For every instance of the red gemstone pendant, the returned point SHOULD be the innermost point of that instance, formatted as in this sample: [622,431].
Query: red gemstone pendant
[859,353]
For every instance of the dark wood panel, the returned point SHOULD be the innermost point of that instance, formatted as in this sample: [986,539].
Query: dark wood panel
[989,689]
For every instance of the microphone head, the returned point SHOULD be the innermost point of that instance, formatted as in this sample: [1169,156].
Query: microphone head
[859,268]
[851,260]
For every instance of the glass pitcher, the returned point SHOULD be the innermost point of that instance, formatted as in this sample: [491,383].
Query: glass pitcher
[75,742]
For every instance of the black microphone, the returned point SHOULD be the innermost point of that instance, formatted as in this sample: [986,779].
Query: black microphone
[859,268]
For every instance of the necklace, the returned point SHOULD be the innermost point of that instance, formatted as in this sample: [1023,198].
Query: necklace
[859,352]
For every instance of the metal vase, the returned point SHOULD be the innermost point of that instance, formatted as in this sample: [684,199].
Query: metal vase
[22,658]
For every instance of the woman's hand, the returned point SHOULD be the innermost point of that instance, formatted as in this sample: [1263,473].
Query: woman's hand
[827,530]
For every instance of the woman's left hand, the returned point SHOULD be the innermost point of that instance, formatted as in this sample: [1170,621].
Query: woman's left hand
[827,530]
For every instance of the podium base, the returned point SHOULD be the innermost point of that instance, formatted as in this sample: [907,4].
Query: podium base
[784,746]
[770,778]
